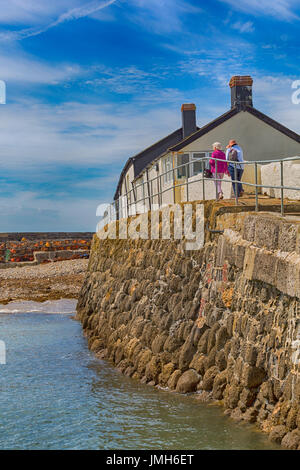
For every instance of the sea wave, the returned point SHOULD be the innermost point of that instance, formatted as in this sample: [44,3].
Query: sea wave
[62,306]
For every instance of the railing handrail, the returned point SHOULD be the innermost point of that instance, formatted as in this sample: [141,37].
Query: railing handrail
[200,177]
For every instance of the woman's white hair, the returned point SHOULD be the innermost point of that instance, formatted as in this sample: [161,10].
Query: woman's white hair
[217,145]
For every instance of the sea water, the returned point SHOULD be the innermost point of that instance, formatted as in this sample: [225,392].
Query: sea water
[54,394]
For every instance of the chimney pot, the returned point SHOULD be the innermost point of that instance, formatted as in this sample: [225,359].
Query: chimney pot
[188,113]
[241,91]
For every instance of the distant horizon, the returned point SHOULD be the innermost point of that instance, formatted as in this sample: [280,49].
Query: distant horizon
[90,83]
[48,231]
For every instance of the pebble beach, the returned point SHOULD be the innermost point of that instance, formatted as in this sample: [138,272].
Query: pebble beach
[50,281]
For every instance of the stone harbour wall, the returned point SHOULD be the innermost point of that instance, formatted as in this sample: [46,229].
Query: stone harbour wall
[223,321]
[34,250]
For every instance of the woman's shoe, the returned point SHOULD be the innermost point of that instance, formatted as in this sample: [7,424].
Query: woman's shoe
[220,196]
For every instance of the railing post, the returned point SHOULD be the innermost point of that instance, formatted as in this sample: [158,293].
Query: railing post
[187,180]
[174,190]
[151,186]
[203,181]
[256,188]
[281,189]
[236,184]
[134,196]
[116,210]
[216,176]
[160,192]
[148,190]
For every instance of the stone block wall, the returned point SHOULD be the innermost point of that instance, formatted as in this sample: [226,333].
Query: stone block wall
[34,249]
[223,321]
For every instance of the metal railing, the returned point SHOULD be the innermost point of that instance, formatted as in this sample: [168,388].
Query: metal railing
[129,204]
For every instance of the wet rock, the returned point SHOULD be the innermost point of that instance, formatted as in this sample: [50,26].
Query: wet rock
[211,358]
[187,352]
[252,376]
[167,371]
[143,359]
[221,360]
[291,440]
[153,369]
[188,381]
[236,415]
[96,345]
[247,397]
[219,385]
[202,344]
[231,395]
[129,371]
[209,377]
[172,382]
[250,415]
[158,343]
[277,434]
[266,392]
[291,420]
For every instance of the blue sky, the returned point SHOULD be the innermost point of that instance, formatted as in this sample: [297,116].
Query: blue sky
[91,82]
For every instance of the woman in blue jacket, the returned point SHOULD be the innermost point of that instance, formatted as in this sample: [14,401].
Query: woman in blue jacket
[234,153]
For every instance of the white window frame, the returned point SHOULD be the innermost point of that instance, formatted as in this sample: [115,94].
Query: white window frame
[194,159]
[184,169]
[140,189]
[168,166]
[128,190]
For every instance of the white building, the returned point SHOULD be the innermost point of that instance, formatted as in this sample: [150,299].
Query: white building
[150,176]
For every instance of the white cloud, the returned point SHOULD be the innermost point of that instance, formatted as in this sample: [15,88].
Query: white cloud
[70,15]
[25,211]
[273,96]
[76,133]
[281,9]
[244,27]
[161,16]
[33,11]
[18,67]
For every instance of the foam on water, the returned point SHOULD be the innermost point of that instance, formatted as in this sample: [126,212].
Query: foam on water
[62,306]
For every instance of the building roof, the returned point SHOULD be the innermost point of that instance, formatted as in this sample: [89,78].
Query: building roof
[213,124]
[142,159]
[175,142]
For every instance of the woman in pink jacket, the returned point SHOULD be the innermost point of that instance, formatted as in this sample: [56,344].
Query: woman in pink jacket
[219,166]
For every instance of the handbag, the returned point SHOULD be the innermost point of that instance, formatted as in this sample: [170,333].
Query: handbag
[207,173]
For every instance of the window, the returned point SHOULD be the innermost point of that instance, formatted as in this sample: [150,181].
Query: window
[143,187]
[181,160]
[128,190]
[198,164]
[140,188]
[167,170]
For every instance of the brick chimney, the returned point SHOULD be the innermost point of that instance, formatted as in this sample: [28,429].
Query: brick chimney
[241,91]
[188,113]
